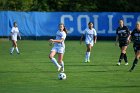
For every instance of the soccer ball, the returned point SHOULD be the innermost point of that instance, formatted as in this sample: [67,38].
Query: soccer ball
[61,76]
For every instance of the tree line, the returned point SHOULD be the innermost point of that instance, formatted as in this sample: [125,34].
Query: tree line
[71,5]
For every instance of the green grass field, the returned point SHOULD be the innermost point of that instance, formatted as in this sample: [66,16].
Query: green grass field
[32,71]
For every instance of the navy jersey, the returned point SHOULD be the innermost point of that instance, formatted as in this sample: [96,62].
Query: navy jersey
[136,37]
[123,33]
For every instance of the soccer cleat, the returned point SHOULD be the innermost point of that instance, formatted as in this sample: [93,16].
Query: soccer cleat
[118,64]
[85,61]
[59,68]
[18,53]
[11,53]
[126,64]
[88,61]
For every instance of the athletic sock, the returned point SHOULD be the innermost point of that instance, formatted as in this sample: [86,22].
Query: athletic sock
[55,62]
[125,58]
[12,49]
[88,55]
[62,64]
[17,50]
[121,57]
[134,63]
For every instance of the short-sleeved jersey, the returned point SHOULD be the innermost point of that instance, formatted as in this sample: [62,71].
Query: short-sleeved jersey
[59,36]
[123,33]
[14,33]
[136,37]
[89,34]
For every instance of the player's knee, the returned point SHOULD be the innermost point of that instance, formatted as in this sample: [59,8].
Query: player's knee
[50,56]
[123,51]
[138,56]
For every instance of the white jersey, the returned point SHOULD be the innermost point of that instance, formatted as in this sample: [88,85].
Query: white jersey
[59,36]
[89,35]
[14,33]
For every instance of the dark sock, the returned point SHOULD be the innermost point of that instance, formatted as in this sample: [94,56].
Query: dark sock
[121,57]
[134,63]
[125,58]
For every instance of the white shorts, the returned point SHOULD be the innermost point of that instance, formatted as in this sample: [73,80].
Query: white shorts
[58,50]
[91,43]
[14,38]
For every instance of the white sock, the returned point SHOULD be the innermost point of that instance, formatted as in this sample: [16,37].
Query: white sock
[17,50]
[62,64]
[88,55]
[12,49]
[55,62]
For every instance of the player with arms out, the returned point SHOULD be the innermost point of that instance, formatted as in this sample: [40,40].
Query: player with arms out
[14,34]
[135,35]
[90,40]
[123,35]
[59,47]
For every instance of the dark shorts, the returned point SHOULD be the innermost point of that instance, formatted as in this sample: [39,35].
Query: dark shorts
[136,48]
[121,44]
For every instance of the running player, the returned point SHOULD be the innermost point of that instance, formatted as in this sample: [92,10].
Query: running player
[59,47]
[90,40]
[136,44]
[123,35]
[14,34]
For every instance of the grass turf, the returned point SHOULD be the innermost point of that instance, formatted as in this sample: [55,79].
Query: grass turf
[32,71]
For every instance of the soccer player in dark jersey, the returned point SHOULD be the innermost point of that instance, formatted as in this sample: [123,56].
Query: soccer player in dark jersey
[135,35]
[123,35]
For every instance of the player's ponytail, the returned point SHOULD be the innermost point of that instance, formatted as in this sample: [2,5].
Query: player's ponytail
[65,30]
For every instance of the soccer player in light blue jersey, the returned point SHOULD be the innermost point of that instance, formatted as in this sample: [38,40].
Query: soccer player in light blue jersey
[90,40]
[59,47]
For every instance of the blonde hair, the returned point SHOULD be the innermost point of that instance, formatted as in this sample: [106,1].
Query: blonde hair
[138,23]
